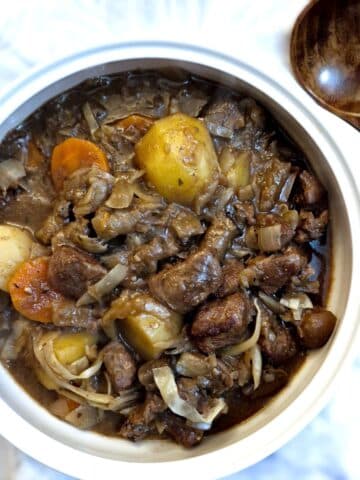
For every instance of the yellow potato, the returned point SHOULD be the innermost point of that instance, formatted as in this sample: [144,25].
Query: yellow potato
[70,347]
[148,326]
[15,248]
[179,159]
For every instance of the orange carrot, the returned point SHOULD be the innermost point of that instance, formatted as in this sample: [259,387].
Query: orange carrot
[72,154]
[30,291]
[141,123]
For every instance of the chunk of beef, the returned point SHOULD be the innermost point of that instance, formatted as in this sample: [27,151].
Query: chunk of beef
[140,421]
[219,235]
[179,431]
[187,284]
[312,190]
[276,341]
[221,322]
[184,222]
[274,271]
[223,117]
[270,177]
[190,392]
[311,227]
[145,258]
[71,271]
[231,278]
[120,365]
[67,314]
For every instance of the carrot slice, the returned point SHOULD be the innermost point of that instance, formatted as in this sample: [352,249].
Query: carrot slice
[30,291]
[141,123]
[72,154]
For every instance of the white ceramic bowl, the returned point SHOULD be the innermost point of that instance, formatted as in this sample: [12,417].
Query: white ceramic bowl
[90,456]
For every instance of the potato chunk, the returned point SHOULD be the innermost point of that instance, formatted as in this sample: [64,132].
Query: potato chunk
[70,347]
[148,326]
[15,248]
[179,159]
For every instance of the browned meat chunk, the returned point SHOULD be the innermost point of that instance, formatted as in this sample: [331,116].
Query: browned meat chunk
[145,258]
[120,365]
[219,235]
[71,271]
[223,117]
[316,327]
[182,433]
[276,342]
[231,278]
[140,422]
[221,322]
[312,190]
[67,314]
[311,227]
[184,222]
[274,271]
[187,284]
[189,391]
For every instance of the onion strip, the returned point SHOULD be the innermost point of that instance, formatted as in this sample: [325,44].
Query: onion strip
[250,342]
[165,381]
[42,350]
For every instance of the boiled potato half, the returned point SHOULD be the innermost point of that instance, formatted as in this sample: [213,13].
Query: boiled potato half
[179,159]
[15,248]
[147,325]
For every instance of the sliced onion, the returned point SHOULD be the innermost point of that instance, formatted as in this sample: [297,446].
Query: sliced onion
[76,393]
[296,303]
[122,193]
[256,365]
[47,347]
[104,286]
[90,119]
[165,381]
[271,303]
[11,171]
[250,342]
[269,238]
[287,187]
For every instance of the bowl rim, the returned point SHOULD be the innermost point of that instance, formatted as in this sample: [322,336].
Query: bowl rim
[288,423]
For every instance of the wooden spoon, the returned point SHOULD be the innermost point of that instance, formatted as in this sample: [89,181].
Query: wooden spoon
[325,55]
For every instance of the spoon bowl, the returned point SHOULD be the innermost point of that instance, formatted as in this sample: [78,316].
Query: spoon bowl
[325,55]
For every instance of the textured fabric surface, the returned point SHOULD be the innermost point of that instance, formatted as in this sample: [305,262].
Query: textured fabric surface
[37,31]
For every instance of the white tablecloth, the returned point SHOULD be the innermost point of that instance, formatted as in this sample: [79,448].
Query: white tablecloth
[36,31]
